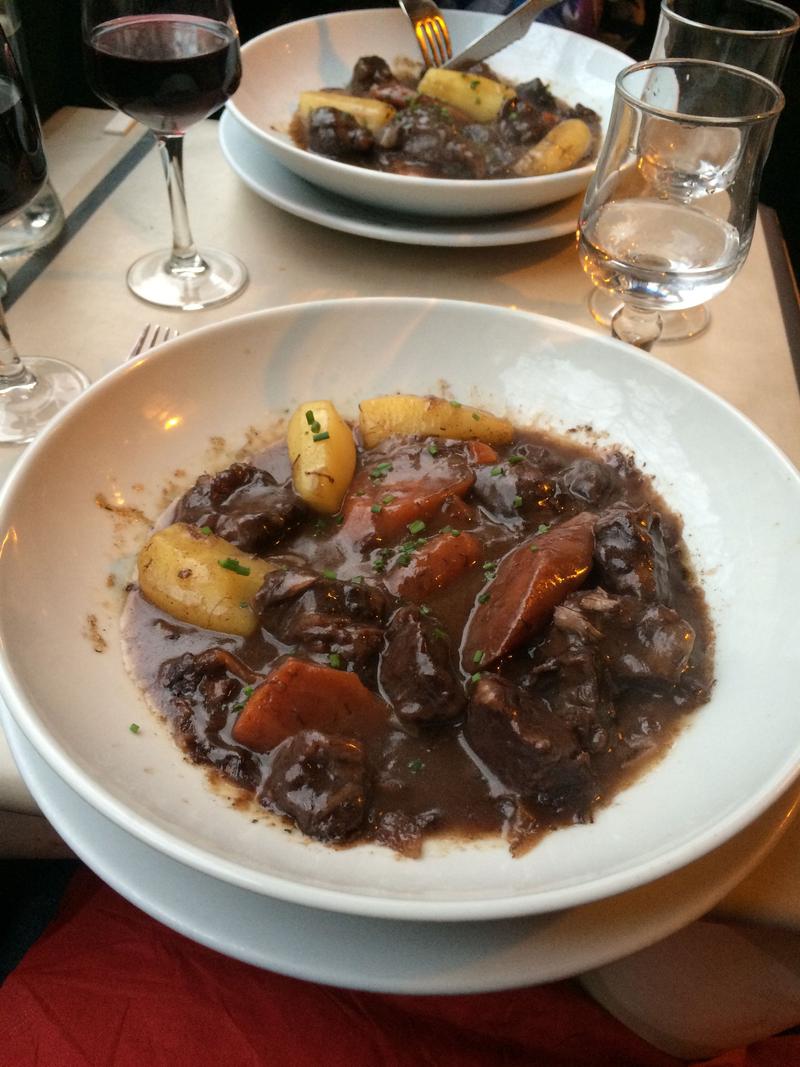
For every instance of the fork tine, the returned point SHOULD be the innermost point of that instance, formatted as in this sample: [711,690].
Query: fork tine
[150,337]
[442,39]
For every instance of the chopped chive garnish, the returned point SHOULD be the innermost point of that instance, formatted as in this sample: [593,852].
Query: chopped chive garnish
[376,509]
[206,530]
[234,565]
[496,471]
[534,548]
[482,598]
[543,527]
[415,765]
[476,416]
[433,449]
[478,657]
[455,403]
[248,690]
[134,727]
[320,436]
[513,460]
[387,499]
[380,470]
[328,573]
[357,579]
[455,533]
[416,526]
[439,632]
[335,660]
[491,565]
[517,501]
[339,519]
[310,417]
[424,609]
[476,677]
[243,604]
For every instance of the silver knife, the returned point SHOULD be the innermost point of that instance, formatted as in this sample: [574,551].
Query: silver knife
[500,36]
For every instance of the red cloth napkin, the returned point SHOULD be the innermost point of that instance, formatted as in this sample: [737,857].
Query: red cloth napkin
[107,986]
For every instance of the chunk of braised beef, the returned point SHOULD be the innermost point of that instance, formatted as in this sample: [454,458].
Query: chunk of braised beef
[404,832]
[428,135]
[588,481]
[649,643]
[630,555]
[337,134]
[243,504]
[508,490]
[521,122]
[416,671]
[568,673]
[321,782]
[528,748]
[206,690]
[536,92]
[324,615]
[368,72]
[635,640]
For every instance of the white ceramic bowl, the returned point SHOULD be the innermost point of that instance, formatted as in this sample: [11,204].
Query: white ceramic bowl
[149,425]
[320,52]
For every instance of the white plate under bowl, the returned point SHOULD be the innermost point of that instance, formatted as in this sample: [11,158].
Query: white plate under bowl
[158,422]
[353,952]
[262,173]
[320,52]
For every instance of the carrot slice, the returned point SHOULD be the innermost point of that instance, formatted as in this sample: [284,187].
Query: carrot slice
[301,695]
[529,583]
[434,566]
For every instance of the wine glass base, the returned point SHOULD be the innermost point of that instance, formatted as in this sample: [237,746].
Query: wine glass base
[223,278]
[676,325]
[26,410]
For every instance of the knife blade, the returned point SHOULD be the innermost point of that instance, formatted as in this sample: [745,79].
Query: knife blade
[500,36]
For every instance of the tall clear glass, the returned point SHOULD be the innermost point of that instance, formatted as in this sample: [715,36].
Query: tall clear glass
[754,34]
[169,64]
[669,214]
[32,390]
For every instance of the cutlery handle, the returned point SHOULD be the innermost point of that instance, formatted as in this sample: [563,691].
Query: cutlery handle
[505,33]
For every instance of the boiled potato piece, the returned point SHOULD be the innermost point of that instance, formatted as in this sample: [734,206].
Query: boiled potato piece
[429,416]
[479,98]
[560,149]
[201,579]
[323,455]
[367,112]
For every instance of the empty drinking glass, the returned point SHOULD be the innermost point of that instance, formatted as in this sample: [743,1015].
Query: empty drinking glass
[669,214]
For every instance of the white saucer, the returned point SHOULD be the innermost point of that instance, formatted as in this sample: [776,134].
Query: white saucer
[383,955]
[260,171]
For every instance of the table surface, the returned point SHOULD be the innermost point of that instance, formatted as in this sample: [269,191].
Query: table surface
[71,301]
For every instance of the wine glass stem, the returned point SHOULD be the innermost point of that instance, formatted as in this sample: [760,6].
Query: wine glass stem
[184,258]
[637,325]
[13,372]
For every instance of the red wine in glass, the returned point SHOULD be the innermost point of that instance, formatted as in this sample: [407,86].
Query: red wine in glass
[169,64]
[22,163]
[35,389]
[167,71]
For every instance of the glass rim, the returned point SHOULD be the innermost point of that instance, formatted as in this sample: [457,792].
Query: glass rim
[791,27]
[708,120]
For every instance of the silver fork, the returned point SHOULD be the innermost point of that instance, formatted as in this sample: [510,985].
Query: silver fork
[430,29]
[150,337]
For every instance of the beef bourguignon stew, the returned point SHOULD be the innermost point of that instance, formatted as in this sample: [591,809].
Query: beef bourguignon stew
[430,624]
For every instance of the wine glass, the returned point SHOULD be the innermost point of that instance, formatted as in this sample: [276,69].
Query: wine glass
[34,390]
[169,64]
[754,34]
[669,214]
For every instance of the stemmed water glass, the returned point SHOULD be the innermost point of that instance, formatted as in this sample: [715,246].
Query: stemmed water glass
[668,217]
[32,390]
[169,64]
[754,34]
